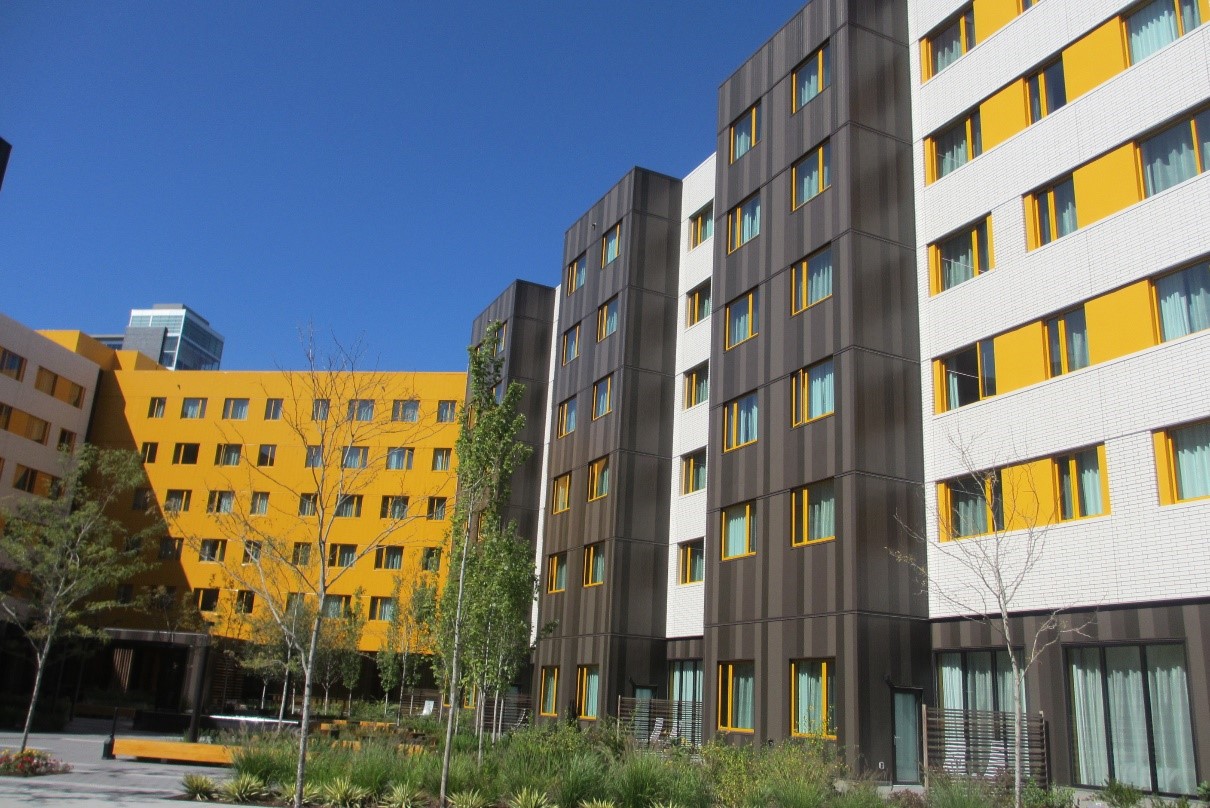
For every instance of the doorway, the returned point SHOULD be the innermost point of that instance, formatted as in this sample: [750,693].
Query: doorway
[905,729]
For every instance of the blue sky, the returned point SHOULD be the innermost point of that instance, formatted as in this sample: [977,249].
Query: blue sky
[380,169]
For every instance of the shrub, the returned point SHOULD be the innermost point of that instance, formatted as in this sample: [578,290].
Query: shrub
[1120,795]
[402,795]
[907,799]
[245,788]
[30,763]
[862,794]
[270,759]
[530,798]
[793,773]
[954,791]
[1203,791]
[471,798]
[598,804]
[583,777]
[1034,796]
[342,792]
[199,787]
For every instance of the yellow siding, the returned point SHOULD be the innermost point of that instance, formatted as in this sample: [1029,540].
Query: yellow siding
[1030,495]
[938,386]
[1094,59]
[1020,357]
[1107,184]
[1204,6]
[1163,468]
[992,15]
[1120,322]
[121,421]
[1004,114]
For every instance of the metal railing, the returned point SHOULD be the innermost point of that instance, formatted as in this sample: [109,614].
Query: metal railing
[660,722]
[980,743]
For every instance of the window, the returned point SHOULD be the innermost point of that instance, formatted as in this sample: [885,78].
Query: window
[266,455]
[206,599]
[13,366]
[813,513]
[314,458]
[1067,342]
[602,397]
[811,77]
[335,606]
[32,481]
[736,692]
[220,502]
[1187,457]
[319,409]
[348,506]
[701,226]
[501,334]
[812,280]
[611,245]
[399,458]
[594,564]
[212,550]
[227,454]
[960,257]
[571,343]
[956,146]
[45,380]
[968,376]
[556,572]
[193,408]
[447,412]
[342,555]
[251,552]
[142,499]
[441,459]
[560,498]
[743,224]
[946,45]
[260,503]
[575,273]
[740,422]
[125,593]
[1158,23]
[692,558]
[811,175]
[1053,212]
[393,507]
[693,472]
[745,132]
[36,429]
[301,554]
[307,504]
[406,410]
[813,392]
[361,409]
[607,318]
[1183,300]
[1130,717]
[567,418]
[1047,91]
[598,479]
[273,409]
[697,385]
[812,704]
[149,451]
[697,305]
[355,457]
[1083,487]
[295,602]
[235,409]
[388,558]
[430,559]
[741,319]
[1176,154]
[170,548]
[436,509]
[176,500]
[737,533]
[971,505]
[588,684]
[382,608]
[156,407]
[976,680]
[548,703]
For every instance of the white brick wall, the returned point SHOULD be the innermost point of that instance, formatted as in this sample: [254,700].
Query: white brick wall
[539,544]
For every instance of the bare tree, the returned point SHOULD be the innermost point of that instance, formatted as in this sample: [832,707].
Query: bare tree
[993,527]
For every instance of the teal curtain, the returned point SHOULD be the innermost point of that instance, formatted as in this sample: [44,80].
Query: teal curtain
[1088,467]
[592,684]
[946,47]
[570,421]
[1151,28]
[740,326]
[1203,128]
[1192,449]
[957,260]
[968,507]
[1127,719]
[1171,730]
[1088,717]
[821,390]
[821,511]
[746,425]
[819,277]
[1184,301]
[1168,158]
[611,317]
[743,684]
[750,220]
[810,715]
[809,82]
[735,542]
[951,149]
[1065,208]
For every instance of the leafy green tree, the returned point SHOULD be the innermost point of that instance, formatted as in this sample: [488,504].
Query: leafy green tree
[488,454]
[67,555]
[410,629]
[337,659]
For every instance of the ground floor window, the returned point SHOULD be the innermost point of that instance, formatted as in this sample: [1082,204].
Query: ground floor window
[736,696]
[588,682]
[1130,717]
[685,691]
[812,704]
[976,680]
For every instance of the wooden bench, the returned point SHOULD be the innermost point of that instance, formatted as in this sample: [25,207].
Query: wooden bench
[175,751]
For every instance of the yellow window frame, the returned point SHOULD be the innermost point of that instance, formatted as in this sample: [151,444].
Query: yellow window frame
[735,224]
[591,553]
[689,465]
[1069,461]
[726,695]
[571,338]
[697,226]
[1036,83]
[685,553]
[549,691]
[1034,220]
[731,423]
[818,58]
[749,298]
[829,732]
[972,234]
[615,233]
[821,172]
[752,117]
[933,164]
[560,496]
[800,502]
[582,674]
[562,430]
[965,19]
[598,470]
[722,545]
[799,278]
[575,272]
[989,479]
[603,318]
[1165,458]
[693,305]
[800,395]
[556,563]
[692,378]
[608,382]
[1059,323]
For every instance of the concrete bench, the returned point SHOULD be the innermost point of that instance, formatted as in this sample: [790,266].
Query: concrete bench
[174,751]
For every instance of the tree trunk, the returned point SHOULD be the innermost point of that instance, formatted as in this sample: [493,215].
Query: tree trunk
[285,694]
[1018,678]
[455,664]
[264,689]
[480,709]
[304,723]
[40,660]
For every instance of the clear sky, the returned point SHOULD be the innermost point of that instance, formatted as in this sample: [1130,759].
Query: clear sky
[380,169]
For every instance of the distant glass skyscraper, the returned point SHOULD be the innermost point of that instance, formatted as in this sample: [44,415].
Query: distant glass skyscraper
[173,334]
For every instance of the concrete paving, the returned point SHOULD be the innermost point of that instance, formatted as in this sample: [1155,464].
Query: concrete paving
[94,782]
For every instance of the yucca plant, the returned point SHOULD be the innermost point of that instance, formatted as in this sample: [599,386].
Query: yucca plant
[245,788]
[471,798]
[402,795]
[342,792]
[598,804]
[530,798]
[199,787]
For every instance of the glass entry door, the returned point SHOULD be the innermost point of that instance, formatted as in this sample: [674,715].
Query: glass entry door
[906,736]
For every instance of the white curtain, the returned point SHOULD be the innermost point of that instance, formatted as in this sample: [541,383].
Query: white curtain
[819,276]
[809,83]
[822,391]
[751,220]
[1127,716]
[746,426]
[946,47]
[736,540]
[1203,128]
[743,137]
[957,260]
[611,318]
[1192,449]
[821,511]
[740,325]
[1088,467]
[602,403]
[1168,158]
[386,611]
[810,715]
[743,684]
[1076,327]
[969,509]
[953,697]
[1088,710]
[979,681]
[951,149]
[1184,301]
[1065,208]
[1172,734]
[570,421]
[697,566]
[1151,28]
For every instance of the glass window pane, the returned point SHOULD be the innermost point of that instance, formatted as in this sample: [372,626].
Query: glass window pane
[1171,729]
[1168,159]
[1191,450]
[1151,28]
[1184,301]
